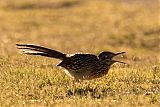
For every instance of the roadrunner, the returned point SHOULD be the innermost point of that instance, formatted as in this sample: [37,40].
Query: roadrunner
[77,66]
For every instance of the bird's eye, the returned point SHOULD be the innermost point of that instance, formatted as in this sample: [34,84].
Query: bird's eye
[106,56]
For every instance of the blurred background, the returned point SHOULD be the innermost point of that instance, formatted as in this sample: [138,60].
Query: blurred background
[81,25]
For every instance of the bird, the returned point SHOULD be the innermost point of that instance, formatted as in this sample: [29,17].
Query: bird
[79,66]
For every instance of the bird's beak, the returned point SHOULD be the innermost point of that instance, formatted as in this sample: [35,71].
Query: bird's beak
[119,62]
[114,61]
[119,53]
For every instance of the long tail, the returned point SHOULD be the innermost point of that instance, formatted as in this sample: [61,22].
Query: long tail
[31,49]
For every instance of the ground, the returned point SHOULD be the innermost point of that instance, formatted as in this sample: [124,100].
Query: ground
[87,26]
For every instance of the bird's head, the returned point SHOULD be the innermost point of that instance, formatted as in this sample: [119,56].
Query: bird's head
[106,55]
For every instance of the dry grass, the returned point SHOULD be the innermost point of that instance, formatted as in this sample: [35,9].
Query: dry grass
[80,26]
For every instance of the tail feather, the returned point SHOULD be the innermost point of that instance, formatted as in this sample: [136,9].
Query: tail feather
[31,49]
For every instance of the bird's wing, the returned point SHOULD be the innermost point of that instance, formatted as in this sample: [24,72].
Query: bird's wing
[78,61]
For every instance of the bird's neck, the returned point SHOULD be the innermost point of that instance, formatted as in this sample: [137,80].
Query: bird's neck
[103,60]
[106,62]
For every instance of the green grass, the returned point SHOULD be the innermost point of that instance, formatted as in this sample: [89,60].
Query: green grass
[80,26]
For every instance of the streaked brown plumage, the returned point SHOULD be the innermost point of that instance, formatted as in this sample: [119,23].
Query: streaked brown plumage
[78,66]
